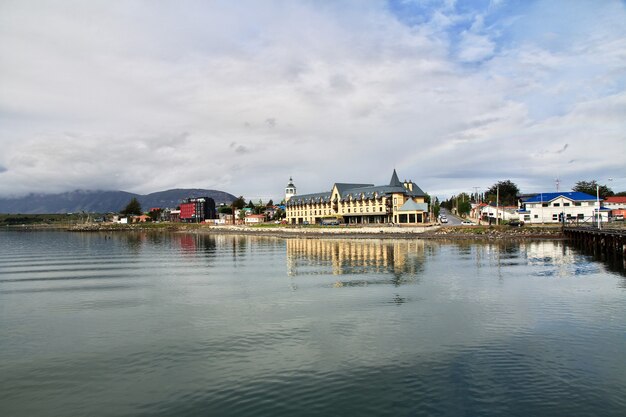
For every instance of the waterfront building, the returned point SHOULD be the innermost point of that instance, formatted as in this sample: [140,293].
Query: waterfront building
[568,206]
[254,219]
[617,205]
[491,212]
[616,202]
[399,202]
[197,209]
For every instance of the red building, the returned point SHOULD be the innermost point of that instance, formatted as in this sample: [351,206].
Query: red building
[197,209]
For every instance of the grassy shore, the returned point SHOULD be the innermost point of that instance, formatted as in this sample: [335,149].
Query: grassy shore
[383,231]
[77,222]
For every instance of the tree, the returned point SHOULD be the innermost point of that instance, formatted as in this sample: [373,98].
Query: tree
[589,187]
[463,205]
[508,192]
[278,215]
[132,208]
[270,203]
[250,204]
[225,210]
[621,194]
[239,203]
[433,204]
[155,214]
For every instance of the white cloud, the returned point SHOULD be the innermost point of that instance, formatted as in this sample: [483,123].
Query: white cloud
[239,96]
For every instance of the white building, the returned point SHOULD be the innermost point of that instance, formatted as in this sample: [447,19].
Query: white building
[574,206]
[290,190]
[615,203]
[255,219]
[501,213]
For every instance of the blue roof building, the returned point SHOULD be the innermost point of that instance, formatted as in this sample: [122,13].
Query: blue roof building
[569,206]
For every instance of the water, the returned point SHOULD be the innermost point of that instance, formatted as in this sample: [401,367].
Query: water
[190,325]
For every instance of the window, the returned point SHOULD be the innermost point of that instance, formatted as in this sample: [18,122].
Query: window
[527,217]
[580,216]
[577,204]
[544,205]
[536,216]
[565,204]
[555,217]
[556,204]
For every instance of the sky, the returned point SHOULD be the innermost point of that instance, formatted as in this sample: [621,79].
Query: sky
[145,96]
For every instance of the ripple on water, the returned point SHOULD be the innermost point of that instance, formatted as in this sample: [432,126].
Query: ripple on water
[189,325]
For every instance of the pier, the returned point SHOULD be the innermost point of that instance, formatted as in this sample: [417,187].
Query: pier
[609,241]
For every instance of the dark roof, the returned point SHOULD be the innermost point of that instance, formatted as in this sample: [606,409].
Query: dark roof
[347,190]
[344,186]
[307,198]
[395,182]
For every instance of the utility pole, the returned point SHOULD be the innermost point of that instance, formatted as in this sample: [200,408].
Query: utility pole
[598,200]
[497,203]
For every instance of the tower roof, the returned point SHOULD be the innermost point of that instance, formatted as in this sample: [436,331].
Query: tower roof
[291,183]
[395,182]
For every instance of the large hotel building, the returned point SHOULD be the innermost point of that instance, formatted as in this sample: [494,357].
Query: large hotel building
[399,202]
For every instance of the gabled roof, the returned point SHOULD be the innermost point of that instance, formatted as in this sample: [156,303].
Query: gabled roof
[356,191]
[411,205]
[342,187]
[615,199]
[309,198]
[572,195]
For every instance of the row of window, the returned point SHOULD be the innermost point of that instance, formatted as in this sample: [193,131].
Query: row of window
[555,217]
[577,204]
[329,212]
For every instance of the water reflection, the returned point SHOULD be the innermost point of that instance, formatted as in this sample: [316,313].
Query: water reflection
[349,257]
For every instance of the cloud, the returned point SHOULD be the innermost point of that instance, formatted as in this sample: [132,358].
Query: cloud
[239,96]
[474,47]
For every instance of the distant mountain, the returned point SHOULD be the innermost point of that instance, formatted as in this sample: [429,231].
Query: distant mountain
[103,201]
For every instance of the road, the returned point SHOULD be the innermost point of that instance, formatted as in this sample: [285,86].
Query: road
[452,219]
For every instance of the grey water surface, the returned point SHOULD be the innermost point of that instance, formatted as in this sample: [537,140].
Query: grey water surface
[135,324]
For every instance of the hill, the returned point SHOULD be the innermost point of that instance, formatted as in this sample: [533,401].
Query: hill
[103,201]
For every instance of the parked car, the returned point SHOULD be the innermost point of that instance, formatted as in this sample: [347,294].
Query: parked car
[618,217]
[467,223]
[516,223]
[444,219]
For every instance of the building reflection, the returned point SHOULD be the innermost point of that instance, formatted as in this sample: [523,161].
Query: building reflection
[342,257]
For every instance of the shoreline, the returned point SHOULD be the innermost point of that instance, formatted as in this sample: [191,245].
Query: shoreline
[368,232]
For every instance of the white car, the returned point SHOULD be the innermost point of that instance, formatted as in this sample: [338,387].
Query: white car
[467,223]
[444,219]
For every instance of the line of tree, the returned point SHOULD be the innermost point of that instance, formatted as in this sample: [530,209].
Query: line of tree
[504,193]
[592,188]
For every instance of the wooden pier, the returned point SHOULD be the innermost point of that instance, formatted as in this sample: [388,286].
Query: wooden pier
[609,242]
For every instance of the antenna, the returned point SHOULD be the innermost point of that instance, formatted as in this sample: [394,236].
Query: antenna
[557,181]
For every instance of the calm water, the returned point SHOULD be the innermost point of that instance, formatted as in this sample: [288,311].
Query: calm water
[187,325]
